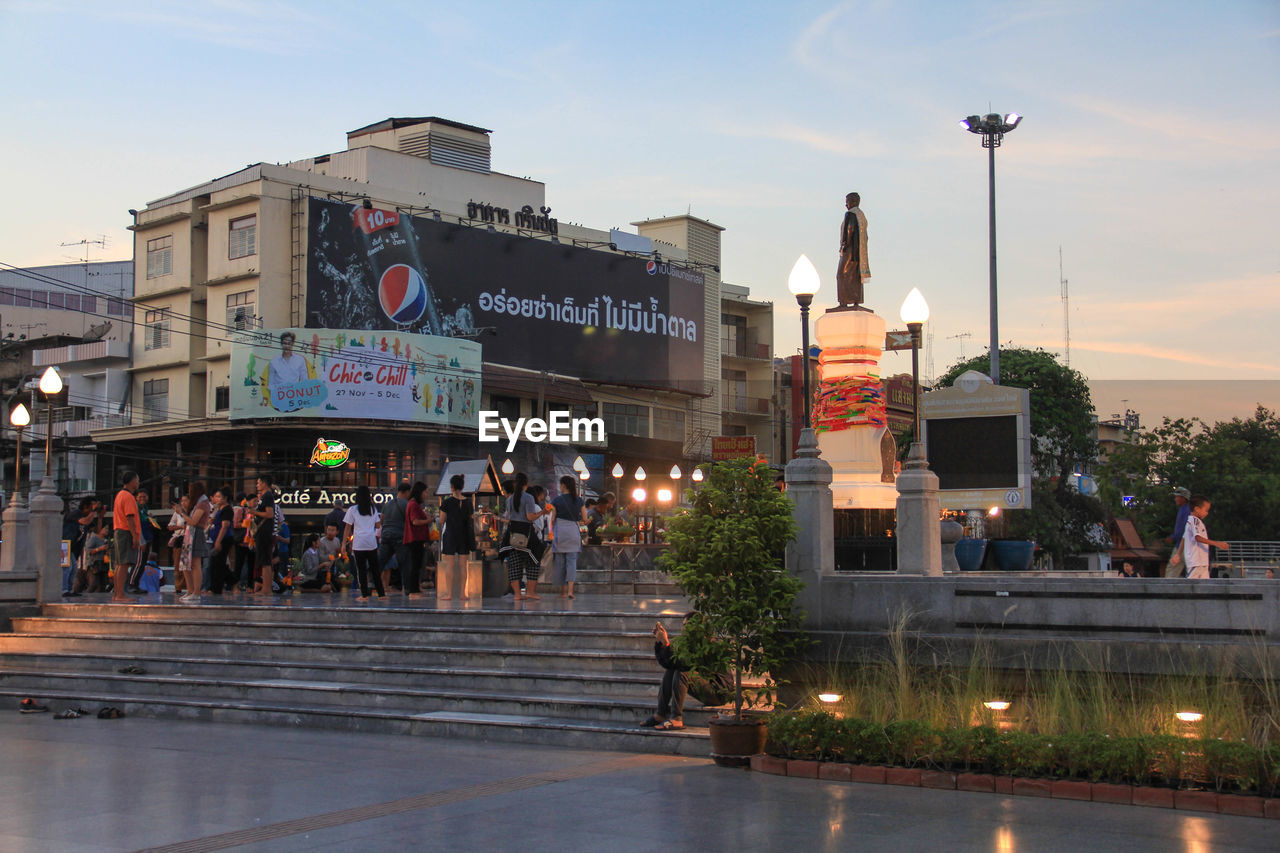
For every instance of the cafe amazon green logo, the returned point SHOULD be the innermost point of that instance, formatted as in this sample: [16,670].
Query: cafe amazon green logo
[329,453]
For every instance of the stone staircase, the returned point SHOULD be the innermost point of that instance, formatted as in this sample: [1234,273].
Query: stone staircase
[580,678]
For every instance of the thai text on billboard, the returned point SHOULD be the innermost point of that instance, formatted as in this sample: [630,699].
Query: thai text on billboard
[541,305]
[355,373]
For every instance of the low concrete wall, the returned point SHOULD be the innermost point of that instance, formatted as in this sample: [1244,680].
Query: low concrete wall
[1151,625]
[17,597]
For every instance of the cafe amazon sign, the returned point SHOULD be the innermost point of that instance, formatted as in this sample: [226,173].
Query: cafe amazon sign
[329,453]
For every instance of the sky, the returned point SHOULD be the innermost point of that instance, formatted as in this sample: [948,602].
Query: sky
[1148,153]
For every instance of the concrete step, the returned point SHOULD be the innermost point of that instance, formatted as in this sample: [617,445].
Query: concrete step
[555,731]
[351,655]
[339,694]
[559,682]
[412,635]
[548,615]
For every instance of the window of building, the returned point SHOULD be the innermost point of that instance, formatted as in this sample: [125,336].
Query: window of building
[88,304]
[733,334]
[240,311]
[243,238]
[118,307]
[160,256]
[7,295]
[668,424]
[506,407]
[156,333]
[222,398]
[155,400]
[625,419]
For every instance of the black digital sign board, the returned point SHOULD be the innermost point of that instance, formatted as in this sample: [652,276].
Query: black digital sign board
[974,453]
[579,312]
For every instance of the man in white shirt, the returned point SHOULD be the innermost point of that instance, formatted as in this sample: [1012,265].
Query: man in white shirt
[288,368]
[1196,541]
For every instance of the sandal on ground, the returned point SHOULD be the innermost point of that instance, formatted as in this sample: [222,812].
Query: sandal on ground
[31,706]
[110,713]
[132,670]
[653,723]
[67,715]
[668,725]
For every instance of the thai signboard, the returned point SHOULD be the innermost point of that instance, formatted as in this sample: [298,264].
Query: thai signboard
[978,440]
[540,305]
[725,447]
[355,373]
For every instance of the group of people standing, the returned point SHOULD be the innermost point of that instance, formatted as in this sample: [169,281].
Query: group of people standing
[221,540]
[538,532]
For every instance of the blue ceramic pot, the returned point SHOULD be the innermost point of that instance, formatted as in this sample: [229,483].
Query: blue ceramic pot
[969,554]
[1013,555]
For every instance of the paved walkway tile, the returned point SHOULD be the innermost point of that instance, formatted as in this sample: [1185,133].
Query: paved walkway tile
[133,784]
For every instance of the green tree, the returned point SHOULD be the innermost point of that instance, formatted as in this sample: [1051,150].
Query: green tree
[726,553]
[1063,440]
[1235,463]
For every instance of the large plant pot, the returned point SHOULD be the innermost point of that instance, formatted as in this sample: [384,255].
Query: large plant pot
[969,554]
[733,743]
[1014,555]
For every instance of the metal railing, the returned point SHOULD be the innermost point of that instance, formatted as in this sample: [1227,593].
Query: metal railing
[1248,555]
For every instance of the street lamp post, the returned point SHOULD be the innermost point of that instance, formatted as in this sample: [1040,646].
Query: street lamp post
[992,128]
[915,311]
[50,384]
[19,418]
[919,534]
[803,284]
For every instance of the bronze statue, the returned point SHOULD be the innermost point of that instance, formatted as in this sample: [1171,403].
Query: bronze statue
[854,269]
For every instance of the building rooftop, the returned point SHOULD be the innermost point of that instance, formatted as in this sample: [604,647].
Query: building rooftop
[393,123]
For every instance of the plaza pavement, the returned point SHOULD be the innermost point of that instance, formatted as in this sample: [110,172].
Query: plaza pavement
[90,784]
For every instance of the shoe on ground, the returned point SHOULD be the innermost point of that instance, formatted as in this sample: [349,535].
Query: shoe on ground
[31,706]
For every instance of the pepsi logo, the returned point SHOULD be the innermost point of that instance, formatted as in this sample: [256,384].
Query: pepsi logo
[403,293]
[651,267]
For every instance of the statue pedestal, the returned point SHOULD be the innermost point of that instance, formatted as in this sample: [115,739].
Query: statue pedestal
[851,343]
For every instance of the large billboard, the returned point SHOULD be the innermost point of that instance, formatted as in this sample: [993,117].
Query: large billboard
[535,304]
[355,373]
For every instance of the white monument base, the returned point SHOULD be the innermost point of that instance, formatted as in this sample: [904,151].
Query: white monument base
[854,452]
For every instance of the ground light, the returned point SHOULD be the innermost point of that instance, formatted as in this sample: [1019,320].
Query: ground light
[829,698]
[996,705]
[1190,716]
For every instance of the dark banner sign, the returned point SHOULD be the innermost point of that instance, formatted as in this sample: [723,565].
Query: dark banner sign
[579,312]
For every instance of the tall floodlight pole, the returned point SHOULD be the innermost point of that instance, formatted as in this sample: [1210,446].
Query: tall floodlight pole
[992,128]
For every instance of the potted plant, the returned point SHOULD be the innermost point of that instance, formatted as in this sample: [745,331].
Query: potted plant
[726,552]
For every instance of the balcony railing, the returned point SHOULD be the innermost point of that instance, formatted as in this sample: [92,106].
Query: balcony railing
[744,349]
[76,429]
[745,405]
